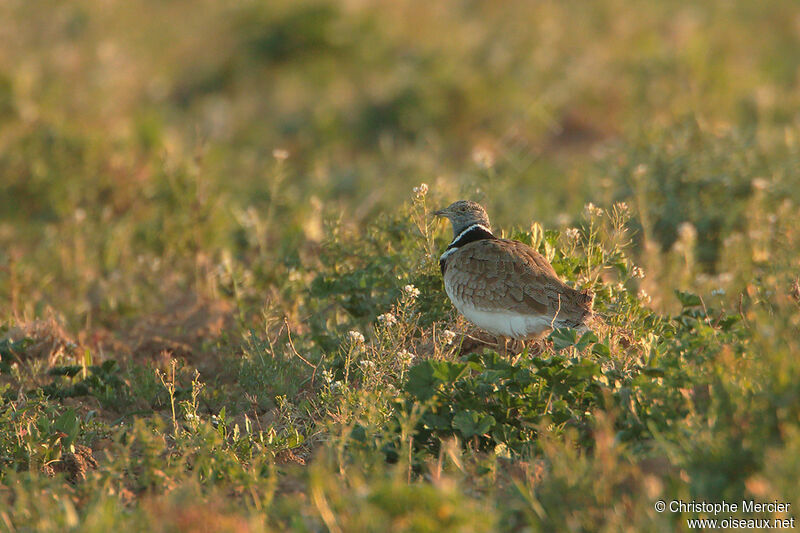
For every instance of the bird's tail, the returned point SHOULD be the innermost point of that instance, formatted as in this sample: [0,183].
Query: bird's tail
[581,314]
[586,299]
[586,302]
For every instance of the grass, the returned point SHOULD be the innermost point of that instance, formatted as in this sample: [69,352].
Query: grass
[220,303]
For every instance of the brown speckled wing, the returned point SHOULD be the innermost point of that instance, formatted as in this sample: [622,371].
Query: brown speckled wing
[503,275]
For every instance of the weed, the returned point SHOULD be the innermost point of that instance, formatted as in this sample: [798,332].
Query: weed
[220,303]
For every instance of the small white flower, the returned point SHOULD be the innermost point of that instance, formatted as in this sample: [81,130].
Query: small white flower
[355,337]
[573,234]
[365,363]
[643,296]
[387,319]
[591,210]
[280,154]
[637,272]
[327,375]
[448,336]
[411,291]
[687,232]
[622,207]
[405,357]
[718,292]
[336,385]
[421,190]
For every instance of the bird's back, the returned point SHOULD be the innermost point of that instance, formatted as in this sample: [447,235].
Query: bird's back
[505,276]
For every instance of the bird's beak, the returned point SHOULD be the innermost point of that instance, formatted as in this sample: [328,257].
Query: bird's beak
[440,213]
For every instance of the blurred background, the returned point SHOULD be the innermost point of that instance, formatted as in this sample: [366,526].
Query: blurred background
[210,212]
[146,143]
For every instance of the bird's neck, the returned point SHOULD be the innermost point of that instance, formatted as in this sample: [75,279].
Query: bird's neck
[472,233]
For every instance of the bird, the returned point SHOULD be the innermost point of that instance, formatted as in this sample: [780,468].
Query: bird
[505,287]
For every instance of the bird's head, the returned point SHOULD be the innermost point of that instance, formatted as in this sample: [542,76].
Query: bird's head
[463,214]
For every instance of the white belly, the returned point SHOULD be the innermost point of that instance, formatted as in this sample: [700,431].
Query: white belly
[505,323]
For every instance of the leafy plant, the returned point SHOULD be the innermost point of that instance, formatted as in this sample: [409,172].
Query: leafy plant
[102,381]
[9,352]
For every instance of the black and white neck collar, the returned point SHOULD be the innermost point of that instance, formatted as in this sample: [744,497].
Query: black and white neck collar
[473,233]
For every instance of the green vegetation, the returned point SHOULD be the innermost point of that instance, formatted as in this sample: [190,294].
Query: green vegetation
[220,304]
